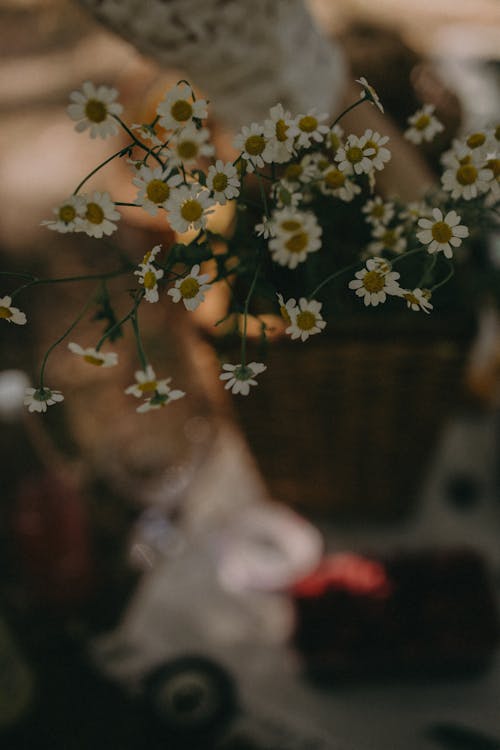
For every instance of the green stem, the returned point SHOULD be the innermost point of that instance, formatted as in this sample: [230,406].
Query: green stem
[67,279]
[263,195]
[138,142]
[446,279]
[118,324]
[331,278]
[348,109]
[140,350]
[121,152]
[245,316]
[407,254]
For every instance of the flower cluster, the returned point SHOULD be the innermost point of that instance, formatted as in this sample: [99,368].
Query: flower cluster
[298,181]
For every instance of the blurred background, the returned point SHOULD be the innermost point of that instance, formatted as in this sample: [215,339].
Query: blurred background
[168,580]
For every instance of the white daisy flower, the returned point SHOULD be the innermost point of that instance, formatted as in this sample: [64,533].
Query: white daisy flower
[188,145]
[280,131]
[11,314]
[150,256]
[387,239]
[297,233]
[146,382]
[154,188]
[98,215]
[423,125]
[374,282]
[178,109]
[38,399]
[286,308]
[93,357]
[311,128]
[162,396]
[415,210]
[334,139]
[377,211]
[369,93]
[265,229]
[374,148]
[481,143]
[189,207]
[240,377]
[251,142]
[149,277]
[298,173]
[353,157]
[66,215]
[306,319]
[286,195]
[465,179]
[335,182]
[223,182]
[190,289]
[417,299]
[442,233]
[93,107]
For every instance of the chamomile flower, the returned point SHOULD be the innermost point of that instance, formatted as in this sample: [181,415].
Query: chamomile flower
[311,128]
[150,256]
[251,142]
[94,357]
[377,211]
[286,194]
[154,187]
[369,93]
[295,237]
[146,133]
[178,108]
[334,138]
[162,396]
[305,319]
[353,157]
[441,233]
[191,288]
[223,182]
[387,238]
[337,183]
[265,228]
[38,399]
[188,145]
[374,148]
[280,131]
[424,125]
[466,179]
[286,308]
[98,215]
[374,282]
[149,277]
[11,314]
[240,377]
[93,107]
[145,383]
[189,207]
[66,215]
[417,299]
[414,210]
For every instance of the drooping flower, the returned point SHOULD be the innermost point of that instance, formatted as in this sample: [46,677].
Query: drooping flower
[417,299]
[424,125]
[94,357]
[93,107]
[154,187]
[286,308]
[190,289]
[38,399]
[240,377]
[442,233]
[189,207]
[178,108]
[11,314]
[223,181]
[369,93]
[305,319]
[374,282]
[146,383]
[67,214]
[98,215]
[162,396]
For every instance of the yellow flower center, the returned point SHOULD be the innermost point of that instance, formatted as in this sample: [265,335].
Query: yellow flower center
[93,360]
[334,178]
[373,281]
[410,297]
[441,232]
[290,225]
[255,145]
[95,110]
[354,154]
[323,164]
[187,149]
[191,211]
[189,288]
[466,174]
[67,213]
[297,242]
[281,130]
[422,122]
[475,140]
[149,280]
[181,110]
[6,312]
[494,165]
[371,145]
[308,124]
[377,211]
[293,172]
[306,320]
[94,213]
[157,191]
[220,182]
[148,386]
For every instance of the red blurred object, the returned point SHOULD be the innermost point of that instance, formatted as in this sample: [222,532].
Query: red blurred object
[345,572]
[52,541]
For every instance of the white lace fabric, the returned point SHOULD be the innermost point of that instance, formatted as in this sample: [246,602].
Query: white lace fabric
[245,55]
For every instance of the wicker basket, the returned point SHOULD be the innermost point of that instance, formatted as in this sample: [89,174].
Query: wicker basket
[345,423]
